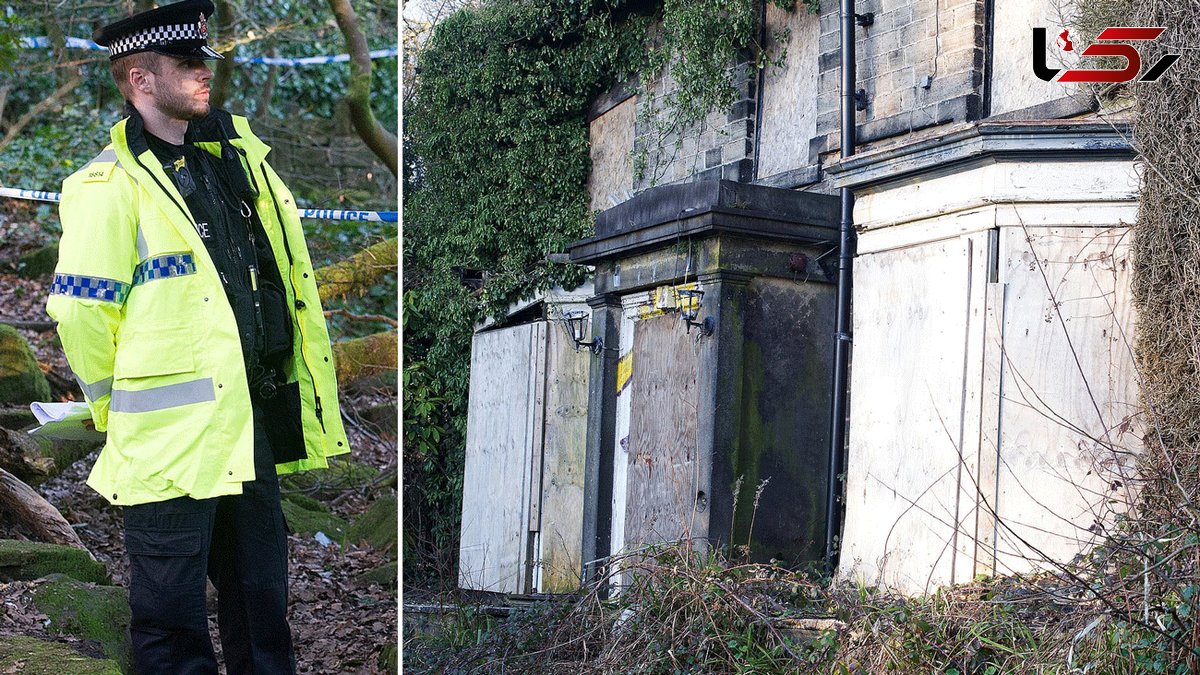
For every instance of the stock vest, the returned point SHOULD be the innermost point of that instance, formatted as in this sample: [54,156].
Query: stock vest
[152,339]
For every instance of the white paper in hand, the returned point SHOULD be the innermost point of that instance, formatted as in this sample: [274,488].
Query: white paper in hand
[64,421]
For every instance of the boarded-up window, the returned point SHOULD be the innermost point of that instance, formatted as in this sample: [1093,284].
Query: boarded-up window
[789,100]
[612,137]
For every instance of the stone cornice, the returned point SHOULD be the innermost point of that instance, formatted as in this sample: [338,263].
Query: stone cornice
[976,144]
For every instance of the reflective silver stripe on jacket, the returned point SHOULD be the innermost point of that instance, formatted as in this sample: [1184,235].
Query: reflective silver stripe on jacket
[109,155]
[95,390]
[160,398]
[142,249]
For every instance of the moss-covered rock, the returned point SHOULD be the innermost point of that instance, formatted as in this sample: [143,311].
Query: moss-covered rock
[31,656]
[21,381]
[377,526]
[90,612]
[33,560]
[342,475]
[306,502]
[38,262]
[384,575]
[16,419]
[65,453]
[301,520]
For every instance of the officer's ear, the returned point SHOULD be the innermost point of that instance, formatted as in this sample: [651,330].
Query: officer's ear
[141,79]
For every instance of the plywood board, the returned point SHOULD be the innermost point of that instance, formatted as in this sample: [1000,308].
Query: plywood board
[660,479]
[632,307]
[904,465]
[1067,433]
[497,474]
[789,100]
[565,445]
[611,136]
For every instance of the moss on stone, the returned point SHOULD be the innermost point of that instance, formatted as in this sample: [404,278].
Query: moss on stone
[16,419]
[378,525]
[33,560]
[385,575]
[306,502]
[342,475]
[31,656]
[38,262]
[88,611]
[65,453]
[305,521]
[21,381]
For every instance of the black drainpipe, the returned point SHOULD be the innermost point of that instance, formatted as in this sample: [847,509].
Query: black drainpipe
[841,360]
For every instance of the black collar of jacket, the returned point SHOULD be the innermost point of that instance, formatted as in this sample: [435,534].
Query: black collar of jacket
[216,126]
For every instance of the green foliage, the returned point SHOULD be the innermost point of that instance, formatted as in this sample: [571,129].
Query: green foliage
[10,33]
[292,28]
[710,34]
[44,154]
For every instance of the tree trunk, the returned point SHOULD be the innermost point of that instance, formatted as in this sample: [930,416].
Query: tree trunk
[358,94]
[223,78]
[356,273]
[40,515]
[263,108]
[51,102]
[19,454]
[365,356]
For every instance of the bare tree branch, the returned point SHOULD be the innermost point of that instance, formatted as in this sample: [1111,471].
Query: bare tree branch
[48,103]
[358,95]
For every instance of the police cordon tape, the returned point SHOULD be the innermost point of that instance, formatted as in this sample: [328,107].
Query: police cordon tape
[314,214]
[80,43]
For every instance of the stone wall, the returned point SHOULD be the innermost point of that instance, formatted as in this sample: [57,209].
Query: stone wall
[719,146]
[921,63]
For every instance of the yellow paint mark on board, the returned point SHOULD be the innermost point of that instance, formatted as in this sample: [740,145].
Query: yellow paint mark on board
[624,372]
[666,300]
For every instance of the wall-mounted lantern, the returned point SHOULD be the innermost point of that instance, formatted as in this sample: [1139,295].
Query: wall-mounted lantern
[577,322]
[689,308]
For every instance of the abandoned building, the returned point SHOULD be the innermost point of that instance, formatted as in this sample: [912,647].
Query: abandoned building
[990,419]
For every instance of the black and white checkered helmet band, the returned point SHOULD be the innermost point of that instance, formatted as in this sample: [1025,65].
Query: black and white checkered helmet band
[156,36]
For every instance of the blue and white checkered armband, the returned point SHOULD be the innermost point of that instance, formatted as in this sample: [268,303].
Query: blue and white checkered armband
[96,288]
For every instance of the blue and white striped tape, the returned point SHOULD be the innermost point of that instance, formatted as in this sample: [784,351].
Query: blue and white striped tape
[313,214]
[80,43]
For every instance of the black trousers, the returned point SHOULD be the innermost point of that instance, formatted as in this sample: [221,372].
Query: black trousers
[237,541]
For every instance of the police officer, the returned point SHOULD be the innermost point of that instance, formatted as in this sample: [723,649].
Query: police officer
[189,313]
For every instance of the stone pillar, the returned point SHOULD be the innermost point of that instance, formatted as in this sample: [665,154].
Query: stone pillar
[601,427]
[719,405]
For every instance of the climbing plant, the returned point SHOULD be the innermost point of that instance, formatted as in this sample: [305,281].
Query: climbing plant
[496,169]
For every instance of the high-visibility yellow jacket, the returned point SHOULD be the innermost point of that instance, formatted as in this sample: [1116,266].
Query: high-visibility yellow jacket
[151,338]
